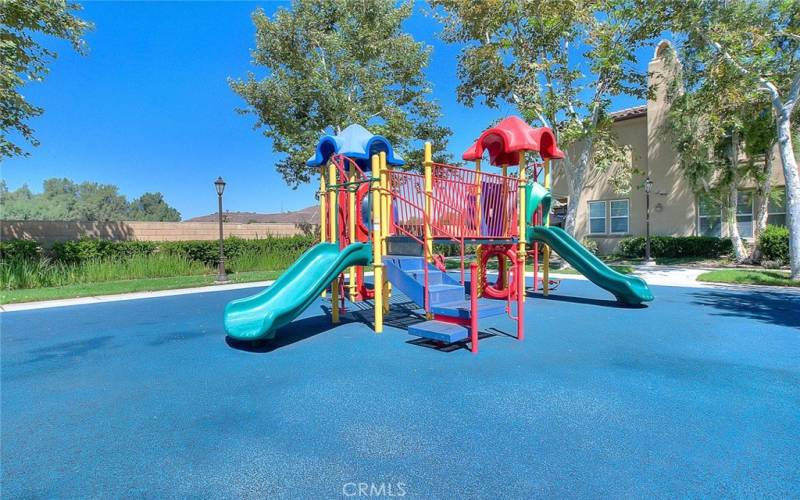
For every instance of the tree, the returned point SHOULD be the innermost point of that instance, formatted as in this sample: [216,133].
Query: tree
[153,207]
[760,41]
[63,199]
[331,63]
[714,122]
[524,53]
[24,59]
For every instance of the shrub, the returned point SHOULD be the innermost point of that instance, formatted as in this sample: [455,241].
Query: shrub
[203,251]
[676,246]
[89,260]
[20,250]
[44,273]
[774,244]
[590,245]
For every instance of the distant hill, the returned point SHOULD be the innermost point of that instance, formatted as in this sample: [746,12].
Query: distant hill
[307,215]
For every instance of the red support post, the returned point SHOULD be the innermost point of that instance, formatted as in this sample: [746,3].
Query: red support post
[473,306]
[520,304]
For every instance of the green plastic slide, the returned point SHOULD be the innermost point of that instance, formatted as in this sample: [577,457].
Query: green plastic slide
[259,316]
[628,289]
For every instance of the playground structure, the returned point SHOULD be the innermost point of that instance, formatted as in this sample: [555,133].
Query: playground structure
[372,212]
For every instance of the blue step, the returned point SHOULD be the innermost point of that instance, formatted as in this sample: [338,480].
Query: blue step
[442,294]
[461,308]
[439,330]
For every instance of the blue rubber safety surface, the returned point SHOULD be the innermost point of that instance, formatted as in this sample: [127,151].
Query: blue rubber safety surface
[697,394]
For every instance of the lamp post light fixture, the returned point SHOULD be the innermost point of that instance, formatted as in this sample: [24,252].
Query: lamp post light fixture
[648,188]
[219,184]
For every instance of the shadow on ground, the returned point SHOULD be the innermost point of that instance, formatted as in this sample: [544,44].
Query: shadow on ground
[557,297]
[777,308]
[296,331]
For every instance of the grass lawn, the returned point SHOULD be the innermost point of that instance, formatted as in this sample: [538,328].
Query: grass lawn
[126,286]
[749,277]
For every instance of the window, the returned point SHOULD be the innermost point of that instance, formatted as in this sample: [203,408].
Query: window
[744,213]
[597,217]
[709,216]
[777,208]
[619,216]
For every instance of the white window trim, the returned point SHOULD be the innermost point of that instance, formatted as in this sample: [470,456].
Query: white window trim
[590,218]
[770,212]
[698,231]
[628,217]
[751,214]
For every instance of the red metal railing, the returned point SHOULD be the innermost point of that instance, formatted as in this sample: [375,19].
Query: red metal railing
[410,217]
[458,187]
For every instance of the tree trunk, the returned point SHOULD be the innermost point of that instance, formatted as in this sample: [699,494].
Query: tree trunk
[739,249]
[792,177]
[733,203]
[575,178]
[762,210]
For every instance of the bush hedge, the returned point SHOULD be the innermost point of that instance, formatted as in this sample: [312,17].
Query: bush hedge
[676,246]
[774,244]
[206,252]
[20,250]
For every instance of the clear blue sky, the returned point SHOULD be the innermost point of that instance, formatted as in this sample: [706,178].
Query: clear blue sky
[149,108]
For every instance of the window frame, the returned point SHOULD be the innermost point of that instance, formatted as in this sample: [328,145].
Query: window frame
[752,214]
[590,218]
[770,212]
[700,216]
[626,217]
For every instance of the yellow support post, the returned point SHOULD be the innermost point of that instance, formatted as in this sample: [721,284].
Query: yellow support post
[546,250]
[323,210]
[428,166]
[377,260]
[478,189]
[351,219]
[386,208]
[521,252]
[332,194]
[384,176]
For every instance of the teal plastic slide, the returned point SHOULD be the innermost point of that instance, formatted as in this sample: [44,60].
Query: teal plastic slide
[628,289]
[259,316]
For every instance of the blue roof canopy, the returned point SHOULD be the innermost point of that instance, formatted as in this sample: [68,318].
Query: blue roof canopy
[357,143]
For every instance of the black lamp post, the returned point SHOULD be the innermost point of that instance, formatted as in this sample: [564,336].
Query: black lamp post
[648,188]
[219,184]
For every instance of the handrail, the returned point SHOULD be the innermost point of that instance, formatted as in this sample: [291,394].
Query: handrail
[497,198]
[441,231]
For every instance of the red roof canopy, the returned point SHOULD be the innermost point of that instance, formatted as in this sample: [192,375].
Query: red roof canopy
[511,136]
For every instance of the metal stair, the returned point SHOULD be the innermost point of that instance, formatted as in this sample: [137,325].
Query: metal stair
[447,298]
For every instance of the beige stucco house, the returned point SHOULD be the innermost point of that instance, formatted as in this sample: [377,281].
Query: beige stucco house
[676,210]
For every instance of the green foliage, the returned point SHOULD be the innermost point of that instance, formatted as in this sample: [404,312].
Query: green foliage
[749,277]
[208,251]
[676,246]
[86,249]
[523,54]
[45,273]
[774,244]
[20,250]
[89,260]
[591,245]
[63,199]
[152,207]
[333,63]
[24,59]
